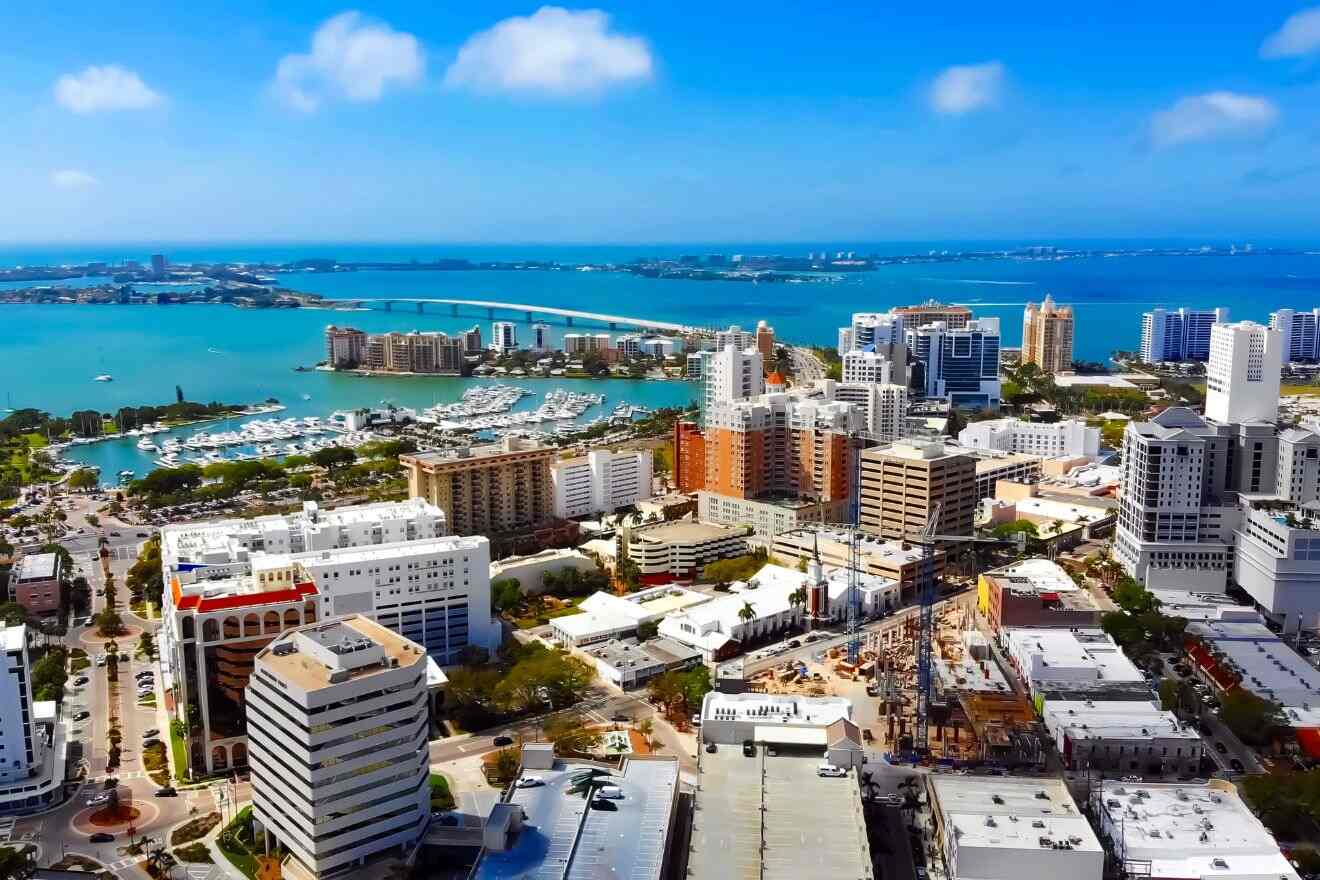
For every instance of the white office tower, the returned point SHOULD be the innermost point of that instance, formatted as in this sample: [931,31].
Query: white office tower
[601,481]
[503,337]
[1183,335]
[1070,438]
[735,336]
[883,407]
[540,337]
[733,374]
[1299,466]
[20,747]
[872,329]
[1300,332]
[338,723]
[1242,376]
[1175,526]
[868,365]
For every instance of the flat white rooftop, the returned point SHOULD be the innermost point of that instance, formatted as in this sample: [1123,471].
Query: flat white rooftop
[775,709]
[1005,813]
[376,552]
[1185,831]
[1204,606]
[1071,654]
[1267,666]
[1115,719]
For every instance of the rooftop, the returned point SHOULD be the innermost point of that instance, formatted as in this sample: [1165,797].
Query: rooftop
[1117,719]
[562,838]
[1204,606]
[734,837]
[622,654]
[1007,813]
[685,532]
[12,638]
[1191,831]
[1044,578]
[769,709]
[38,566]
[989,463]
[917,450]
[1266,666]
[1076,657]
[316,656]
[507,446]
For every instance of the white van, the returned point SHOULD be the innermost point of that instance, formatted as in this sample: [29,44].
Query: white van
[828,769]
[610,792]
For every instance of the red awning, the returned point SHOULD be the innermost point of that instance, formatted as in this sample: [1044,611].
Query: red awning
[1309,739]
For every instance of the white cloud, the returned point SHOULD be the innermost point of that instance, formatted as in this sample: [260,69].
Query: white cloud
[72,178]
[554,51]
[104,87]
[1212,115]
[350,58]
[1300,35]
[967,87]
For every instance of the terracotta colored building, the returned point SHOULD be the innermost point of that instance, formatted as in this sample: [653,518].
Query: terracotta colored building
[689,457]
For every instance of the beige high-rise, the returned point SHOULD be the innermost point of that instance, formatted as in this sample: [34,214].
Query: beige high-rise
[1047,336]
[486,490]
[901,484]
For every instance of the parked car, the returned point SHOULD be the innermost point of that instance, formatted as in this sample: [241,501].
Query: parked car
[794,644]
[711,748]
[115,534]
[600,803]
[143,535]
[151,732]
[828,769]
[621,717]
[1133,779]
[749,748]
[610,792]
[1221,748]
[82,716]
[98,799]
[167,791]
[502,741]
[1236,765]
[529,782]
[149,742]
[80,681]
[102,837]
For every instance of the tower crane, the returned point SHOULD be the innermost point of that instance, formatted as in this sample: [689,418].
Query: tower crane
[927,589]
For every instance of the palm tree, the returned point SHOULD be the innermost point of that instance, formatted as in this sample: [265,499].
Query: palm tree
[746,612]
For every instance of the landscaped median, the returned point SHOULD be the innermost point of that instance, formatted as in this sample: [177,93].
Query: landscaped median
[178,750]
[237,844]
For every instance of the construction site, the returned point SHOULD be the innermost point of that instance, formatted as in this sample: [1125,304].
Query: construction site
[976,715]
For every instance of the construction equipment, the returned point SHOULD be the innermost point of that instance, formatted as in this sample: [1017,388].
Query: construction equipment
[927,590]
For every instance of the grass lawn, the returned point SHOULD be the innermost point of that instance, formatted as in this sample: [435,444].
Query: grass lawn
[78,664]
[1288,389]
[194,853]
[237,852]
[179,752]
[441,798]
[195,829]
[35,440]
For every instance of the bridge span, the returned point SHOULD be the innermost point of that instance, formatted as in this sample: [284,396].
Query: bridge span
[529,311]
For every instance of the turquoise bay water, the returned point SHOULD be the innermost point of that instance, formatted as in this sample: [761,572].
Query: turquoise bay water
[50,354]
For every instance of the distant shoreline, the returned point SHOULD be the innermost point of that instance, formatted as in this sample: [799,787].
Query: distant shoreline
[388,374]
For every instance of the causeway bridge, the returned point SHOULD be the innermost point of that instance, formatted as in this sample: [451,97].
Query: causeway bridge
[530,312]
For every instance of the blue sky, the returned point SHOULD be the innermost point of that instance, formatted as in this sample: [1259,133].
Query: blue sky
[658,121]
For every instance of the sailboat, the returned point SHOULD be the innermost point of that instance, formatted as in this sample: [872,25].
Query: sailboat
[9,402]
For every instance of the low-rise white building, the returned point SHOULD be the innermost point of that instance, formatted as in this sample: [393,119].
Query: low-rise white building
[1175,831]
[766,605]
[1086,663]
[1070,437]
[1131,736]
[629,664]
[998,828]
[771,718]
[606,616]
[1251,656]
[338,724]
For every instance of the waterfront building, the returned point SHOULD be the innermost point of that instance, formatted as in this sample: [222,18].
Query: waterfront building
[338,724]
[1300,332]
[1001,828]
[1172,831]
[503,337]
[472,340]
[660,347]
[689,456]
[933,312]
[496,489]
[1070,438]
[675,552]
[415,352]
[629,345]
[541,337]
[345,346]
[733,374]
[234,585]
[1175,525]
[33,741]
[34,583]
[601,481]
[879,332]
[736,336]
[1242,376]
[960,365]
[765,340]
[1182,335]
[159,264]
[794,444]
[902,482]
[1047,336]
